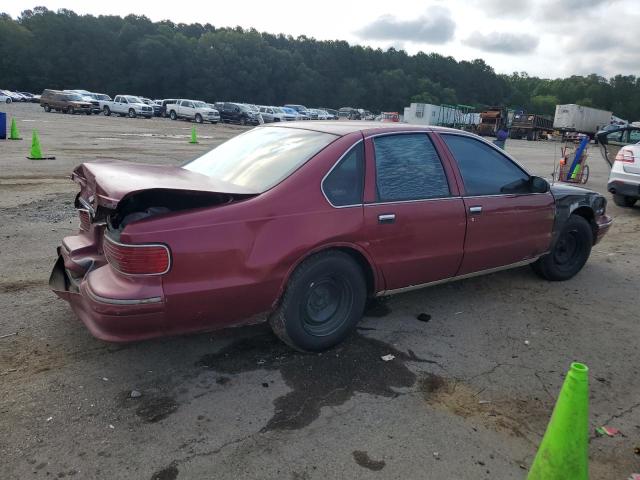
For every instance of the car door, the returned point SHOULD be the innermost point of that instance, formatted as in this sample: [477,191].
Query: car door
[414,217]
[506,223]
[612,142]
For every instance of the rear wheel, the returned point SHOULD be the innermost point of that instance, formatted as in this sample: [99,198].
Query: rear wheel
[624,201]
[323,302]
[584,178]
[132,113]
[569,252]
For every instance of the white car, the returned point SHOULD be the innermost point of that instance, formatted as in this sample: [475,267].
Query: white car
[126,105]
[4,98]
[621,149]
[193,110]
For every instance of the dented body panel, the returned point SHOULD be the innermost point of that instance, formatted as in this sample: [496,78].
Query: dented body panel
[232,250]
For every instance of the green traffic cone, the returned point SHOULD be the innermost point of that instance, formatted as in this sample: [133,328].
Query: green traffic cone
[36,153]
[194,137]
[15,134]
[564,451]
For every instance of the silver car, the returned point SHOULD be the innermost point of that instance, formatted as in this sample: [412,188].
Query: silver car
[621,149]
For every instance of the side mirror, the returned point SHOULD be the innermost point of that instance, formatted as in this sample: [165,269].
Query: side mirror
[538,185]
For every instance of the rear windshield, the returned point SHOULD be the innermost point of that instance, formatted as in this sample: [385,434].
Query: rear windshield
[131,99]
[200,104]
[262,157]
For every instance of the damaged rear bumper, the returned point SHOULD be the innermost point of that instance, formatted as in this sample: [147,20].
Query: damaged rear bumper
[113,308]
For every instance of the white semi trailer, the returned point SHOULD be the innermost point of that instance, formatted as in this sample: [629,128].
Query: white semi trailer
[579,119]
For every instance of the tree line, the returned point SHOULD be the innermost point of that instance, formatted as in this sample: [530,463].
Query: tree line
[46,49]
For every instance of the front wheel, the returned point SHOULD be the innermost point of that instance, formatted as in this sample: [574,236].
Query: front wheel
[243,121]
[624,201]
[323,301]
[569,253]
[173,115]
[198,118]
[71,111]
[106,111]
[47,108]
[132,113]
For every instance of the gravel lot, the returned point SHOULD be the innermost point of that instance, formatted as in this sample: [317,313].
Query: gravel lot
[465,397]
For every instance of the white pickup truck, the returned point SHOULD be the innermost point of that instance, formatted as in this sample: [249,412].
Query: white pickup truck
[126,105]
[192,110]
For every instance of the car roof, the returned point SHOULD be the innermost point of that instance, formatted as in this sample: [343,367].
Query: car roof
[367,128]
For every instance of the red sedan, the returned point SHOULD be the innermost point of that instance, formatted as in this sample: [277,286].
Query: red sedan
[302,223]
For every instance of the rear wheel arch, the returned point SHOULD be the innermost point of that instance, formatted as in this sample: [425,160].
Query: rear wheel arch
[361,258]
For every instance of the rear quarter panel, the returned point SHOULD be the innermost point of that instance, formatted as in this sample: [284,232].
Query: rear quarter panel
[231,262]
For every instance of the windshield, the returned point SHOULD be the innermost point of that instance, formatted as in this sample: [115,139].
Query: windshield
[262,157]
[102,96]
[131,99]
[200,105]
[73,96]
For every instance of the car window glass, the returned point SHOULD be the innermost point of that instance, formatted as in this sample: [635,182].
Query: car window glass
[484,170]
[188,104]
[408,168]
[616,137]
[345,184]
[634,136]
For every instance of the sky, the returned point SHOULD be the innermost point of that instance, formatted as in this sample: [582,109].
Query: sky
[547,38]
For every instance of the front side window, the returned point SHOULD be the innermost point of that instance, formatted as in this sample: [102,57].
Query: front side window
[484,170]
[345,184]
[408,168]
[261,158]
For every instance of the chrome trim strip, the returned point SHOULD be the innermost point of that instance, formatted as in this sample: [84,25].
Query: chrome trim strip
[118,301]
[411,201]
[410,288]
[331,170]
[419,129]
[142,245]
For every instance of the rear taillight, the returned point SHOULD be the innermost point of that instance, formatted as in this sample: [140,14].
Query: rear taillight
[85,219]
[625,155]
[143,259]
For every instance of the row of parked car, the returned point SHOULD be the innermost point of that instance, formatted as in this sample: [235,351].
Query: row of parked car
[8,96]
[83,101]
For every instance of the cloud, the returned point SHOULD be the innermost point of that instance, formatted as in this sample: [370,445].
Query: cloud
[436,28]
[497,42]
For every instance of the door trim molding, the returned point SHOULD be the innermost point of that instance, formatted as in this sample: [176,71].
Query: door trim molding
[410,288]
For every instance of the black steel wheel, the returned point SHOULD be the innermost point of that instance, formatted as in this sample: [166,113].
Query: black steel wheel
[569,252]
[323,301]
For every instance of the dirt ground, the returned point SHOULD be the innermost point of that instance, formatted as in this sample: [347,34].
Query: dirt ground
[465,397]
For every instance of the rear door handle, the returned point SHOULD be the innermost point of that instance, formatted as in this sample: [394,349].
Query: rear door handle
[476,209]
[387,218]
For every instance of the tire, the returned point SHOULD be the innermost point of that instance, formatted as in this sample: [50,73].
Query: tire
[106,111]
[147,117]
[132,113]
[569,252]
[47,108]
[624,201]
[243,121]
[71,111]
[584,178]
[323,301]
[198,118]
[173,115]
[88,112]
[8,100]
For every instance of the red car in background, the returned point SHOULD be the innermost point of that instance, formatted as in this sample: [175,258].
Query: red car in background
[302,223]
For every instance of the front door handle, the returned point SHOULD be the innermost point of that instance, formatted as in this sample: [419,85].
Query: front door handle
[387,218]
[476,210]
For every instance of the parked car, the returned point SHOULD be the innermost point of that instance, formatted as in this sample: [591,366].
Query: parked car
[624,159]
[163,106]
[92,98]
[282,221]
[295,113]
[15,97]
[268,115]
[276,114]
[348,113]
[237,113]
[193,110]
[66,102]
[30,97]
[330,111]
[302,111]
[127,105]
[4,97]
[156,108]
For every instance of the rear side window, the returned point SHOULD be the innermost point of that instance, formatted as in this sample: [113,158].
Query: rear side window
[345,184]
[484,170]
[408,168]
